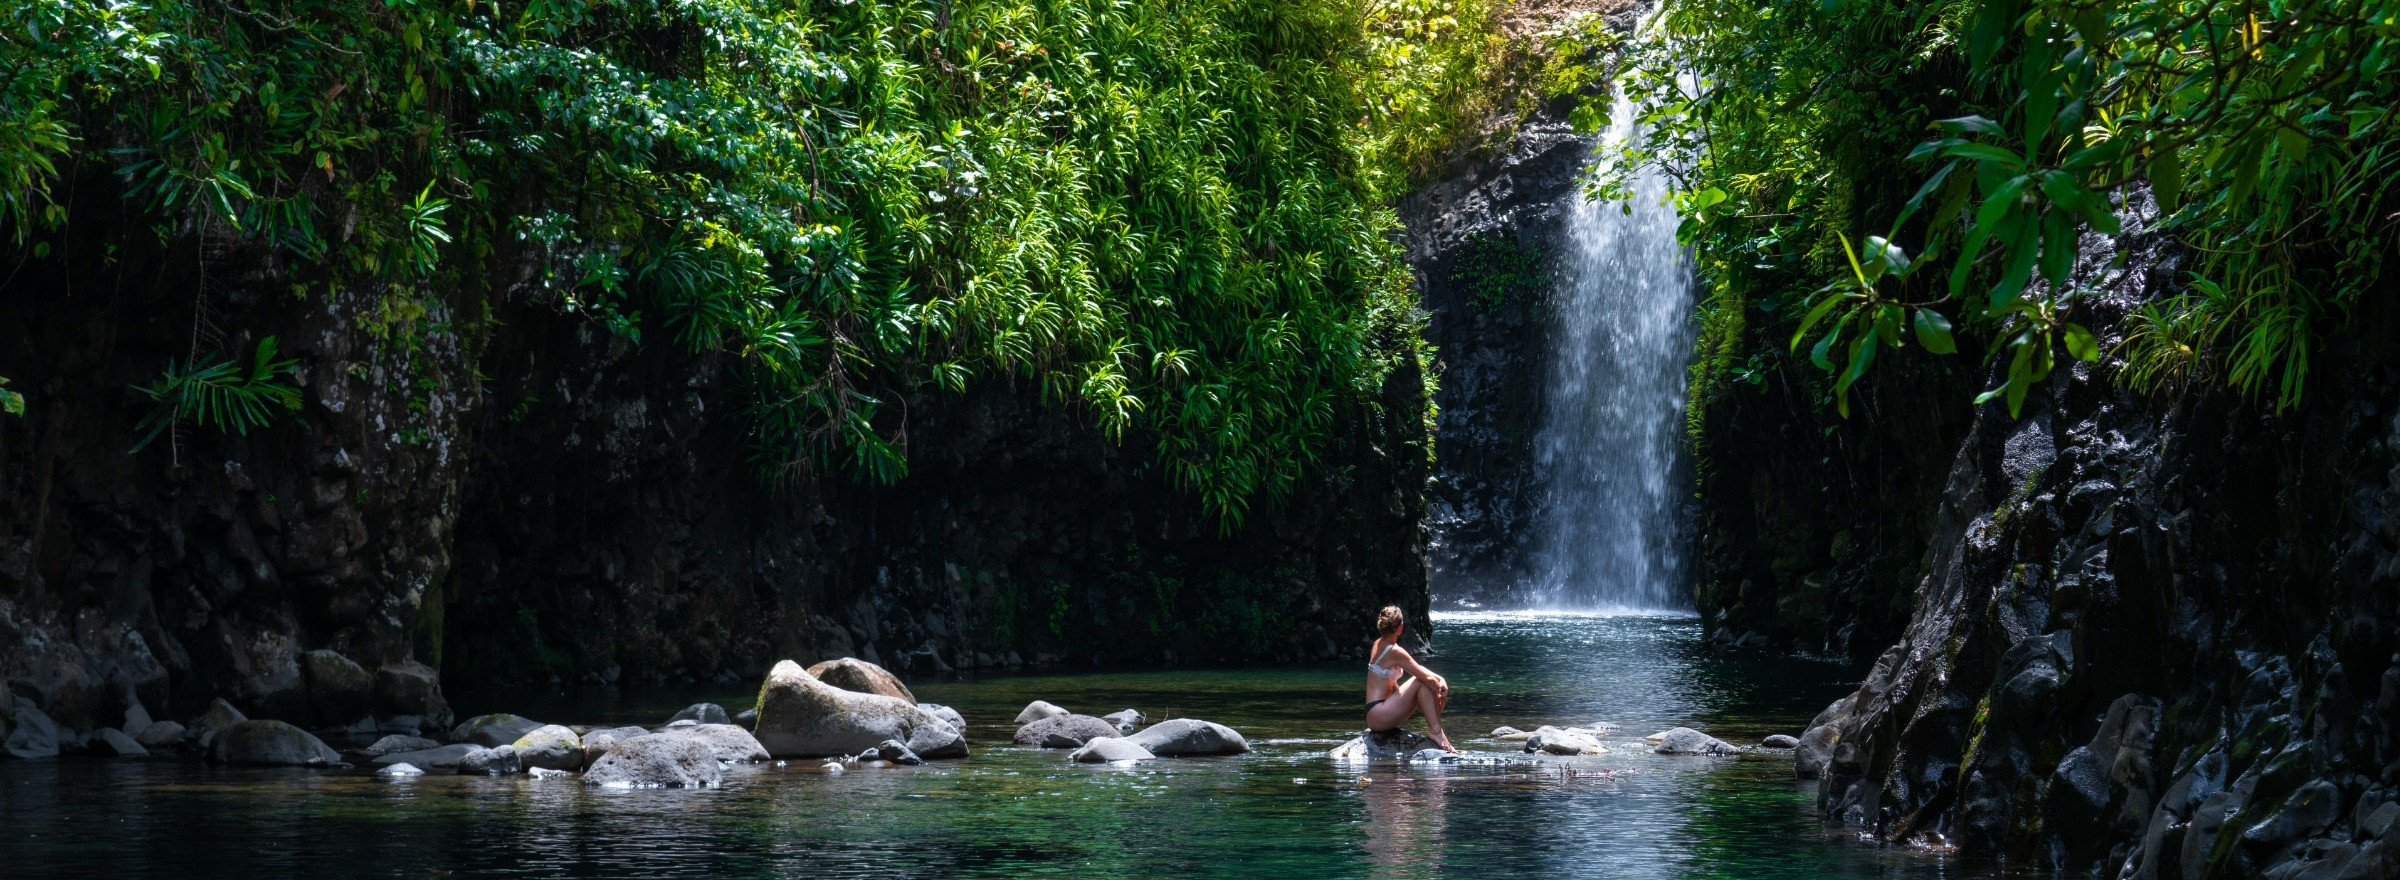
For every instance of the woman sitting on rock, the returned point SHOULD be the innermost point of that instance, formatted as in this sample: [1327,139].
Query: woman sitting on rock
[1389,700]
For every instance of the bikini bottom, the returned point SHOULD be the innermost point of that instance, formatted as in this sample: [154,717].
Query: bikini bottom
[1374,703]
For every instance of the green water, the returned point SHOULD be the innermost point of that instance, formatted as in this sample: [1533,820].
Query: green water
[1283,811]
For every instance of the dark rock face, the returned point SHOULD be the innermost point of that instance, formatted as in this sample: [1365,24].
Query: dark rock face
[2155,637]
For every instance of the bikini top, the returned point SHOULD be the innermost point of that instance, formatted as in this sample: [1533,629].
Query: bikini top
[1375,667]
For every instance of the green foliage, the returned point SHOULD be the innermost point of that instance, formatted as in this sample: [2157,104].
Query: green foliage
[2261,128]
[1168,215]
[11,402]
[222,395]
[1497,272]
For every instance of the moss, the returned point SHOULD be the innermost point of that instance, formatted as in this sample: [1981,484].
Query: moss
[1498,273]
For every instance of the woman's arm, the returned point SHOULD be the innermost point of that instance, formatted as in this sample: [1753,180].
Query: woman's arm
[1408,663]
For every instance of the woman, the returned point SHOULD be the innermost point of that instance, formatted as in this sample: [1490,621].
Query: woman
[1389,700]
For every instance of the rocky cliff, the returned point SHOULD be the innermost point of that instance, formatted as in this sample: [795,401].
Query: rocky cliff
[2152,637]
[489,488]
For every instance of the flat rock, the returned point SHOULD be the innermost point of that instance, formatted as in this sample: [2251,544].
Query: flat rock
[1780,741]
[702,713]
[437,758]
[1190,736]
[657,760]
[400,770]
[1505,733]
[498,761]
[550,747]
[160,735]
[113,743]
[1686,741]
[270,744]
[1109,750]
[598,742]
[496,729]
[801,717]
[1556,741]
[853,674]
[725,742]
[1396,744]
[395,744]
[1036,711]
[1064,731]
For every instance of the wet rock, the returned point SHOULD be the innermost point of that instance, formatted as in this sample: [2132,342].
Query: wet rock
[853,674]
[31,734]
[1109,750]
[220,716]
[137,719]
[497,761]
[414,689]
[801,717]
[702,713]
[1036,711]
[657,760]
[1558,741]
[160,735]
[891,750]
[1686,741]
[598,742]
[113,743]
[724,741]
[1505,733]
[1433,756]
[1064,731]
[339,691]
[746,717]
[948,715]
[395,744]
[1780,742]
[490,731]
[270,744]
[442,758]
[1395,744]
[400,770]
[1176,737]
[1126,720]
[2307,813]
[551,747]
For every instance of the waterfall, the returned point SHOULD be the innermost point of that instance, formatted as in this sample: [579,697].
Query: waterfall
[1608,449]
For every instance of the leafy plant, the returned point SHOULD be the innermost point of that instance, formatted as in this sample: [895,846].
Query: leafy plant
[11,402]
[1497,272]
[221,395]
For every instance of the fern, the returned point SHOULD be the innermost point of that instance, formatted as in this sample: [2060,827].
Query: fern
[221,395]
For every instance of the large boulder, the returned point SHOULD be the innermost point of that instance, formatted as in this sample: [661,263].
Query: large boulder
[550,747]
[1188,736]
[438,758]
[160,735]
[1109,750]
[220,716]
[412,688]
[109,742]
[270,744]
[801,717]
[31,734]
[658,760]
[853,674]
[1557,741]
[1064,731]
[137,718]
[947,715]
[1038,710]
[1814,755]
[494,730]
[1686,741]
[396,744]
[725,741]
[702,713]
[1395,744]
[598,742]
[1126,720]
[499,761]
[339,691]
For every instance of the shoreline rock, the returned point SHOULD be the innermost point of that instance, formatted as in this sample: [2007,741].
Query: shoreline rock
[801,717]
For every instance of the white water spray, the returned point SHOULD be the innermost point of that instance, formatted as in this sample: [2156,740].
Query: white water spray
[1607,452]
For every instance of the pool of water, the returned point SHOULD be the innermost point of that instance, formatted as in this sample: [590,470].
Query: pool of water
[1283,811]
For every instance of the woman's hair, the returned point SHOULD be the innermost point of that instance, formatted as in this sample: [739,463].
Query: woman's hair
[1388,620]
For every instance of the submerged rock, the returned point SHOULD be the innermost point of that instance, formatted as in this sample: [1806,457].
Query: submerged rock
[1038,710]
[437,758]
[1109,750]
[801,717]
[550,747]
[397,743]
[853,674]
[1188,736]
[1064,731]
[494,730]
[1780,742]
[1686,741]
[702,713]
[497,761]
[400,770]
[271,744]
[657,760]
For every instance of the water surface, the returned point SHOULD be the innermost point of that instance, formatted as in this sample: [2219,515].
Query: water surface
[1284,811]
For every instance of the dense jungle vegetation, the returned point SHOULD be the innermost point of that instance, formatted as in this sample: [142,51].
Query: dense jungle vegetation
[1169,215]
[1870,176]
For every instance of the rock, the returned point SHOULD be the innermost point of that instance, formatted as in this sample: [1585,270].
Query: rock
[1557,741]
[702,713]
[1780,742]
[657,760]
[1036,711]
[947,714]
[1387,745]
[853,674]
[1064,731]
[395,744]
[1432,756]
[1126,720]
[412,688]
[1814,755]
[137,719]
[113,743]
[1505,733]
[680,722]
[598,742]
[220,715]
[339,690]
[499,761]
[1109,750]
[801,717]
[160,735]
[746,717]
[438,758]
[31,734]
[496,729]
[547,773]
[1686,741]
[891,750]
[724,741]
[270,744]
[400,770]
[1186,736]
[404,725]
[550,747]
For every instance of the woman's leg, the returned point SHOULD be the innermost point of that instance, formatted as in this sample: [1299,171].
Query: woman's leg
[1395,709]
[1431,707]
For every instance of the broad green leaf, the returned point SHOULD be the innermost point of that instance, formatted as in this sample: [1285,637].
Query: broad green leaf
[2081,343]
[1814,315]
[1933,332]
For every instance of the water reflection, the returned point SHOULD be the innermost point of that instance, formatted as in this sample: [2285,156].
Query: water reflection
[1405,825]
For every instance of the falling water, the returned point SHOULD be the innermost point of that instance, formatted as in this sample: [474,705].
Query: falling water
[1609,442]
